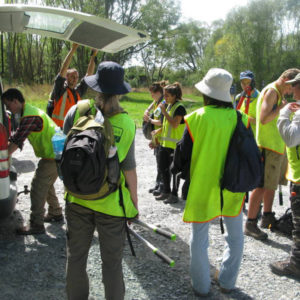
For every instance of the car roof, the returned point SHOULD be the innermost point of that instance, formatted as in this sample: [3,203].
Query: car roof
[68,25]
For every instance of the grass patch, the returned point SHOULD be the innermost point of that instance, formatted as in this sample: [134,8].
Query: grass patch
[135,103]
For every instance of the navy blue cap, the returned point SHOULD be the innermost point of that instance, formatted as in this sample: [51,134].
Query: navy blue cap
[247,75]
[109,79]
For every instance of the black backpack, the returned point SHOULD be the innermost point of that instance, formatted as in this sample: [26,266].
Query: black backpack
[285,223]
[87,170]
[147,128]
[243,169]
[243,166]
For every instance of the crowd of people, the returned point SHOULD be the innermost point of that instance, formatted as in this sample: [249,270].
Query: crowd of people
[191,146]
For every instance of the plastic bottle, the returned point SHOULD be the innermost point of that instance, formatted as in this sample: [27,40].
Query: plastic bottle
[58,142]
[157,112]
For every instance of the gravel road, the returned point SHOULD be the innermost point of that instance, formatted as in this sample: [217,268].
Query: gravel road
[33,267]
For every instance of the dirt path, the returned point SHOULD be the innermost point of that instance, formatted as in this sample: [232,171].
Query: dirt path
[34,267]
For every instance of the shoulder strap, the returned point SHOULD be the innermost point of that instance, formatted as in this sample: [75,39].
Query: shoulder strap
[83,107]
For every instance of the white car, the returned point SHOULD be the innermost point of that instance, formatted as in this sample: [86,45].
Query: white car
[80,28]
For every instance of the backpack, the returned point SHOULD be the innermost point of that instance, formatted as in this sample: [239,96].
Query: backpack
[243,166]
[285,223]
[148,127]
[243,169]
[88,170]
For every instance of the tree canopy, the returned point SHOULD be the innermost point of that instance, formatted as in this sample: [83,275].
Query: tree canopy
[263,36]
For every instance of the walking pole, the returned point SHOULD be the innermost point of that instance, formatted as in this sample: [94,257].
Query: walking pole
[169,235]
[280,195]
[155,250]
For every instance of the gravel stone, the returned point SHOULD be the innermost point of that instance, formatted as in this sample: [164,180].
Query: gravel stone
[33,267]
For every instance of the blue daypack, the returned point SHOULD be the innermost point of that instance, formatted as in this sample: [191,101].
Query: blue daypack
[243,166]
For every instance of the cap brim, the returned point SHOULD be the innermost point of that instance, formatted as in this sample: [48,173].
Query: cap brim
[92,82]
[245,77]
[206,90]
[292,81]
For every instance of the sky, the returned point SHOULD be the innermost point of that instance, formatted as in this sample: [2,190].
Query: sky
[208,10]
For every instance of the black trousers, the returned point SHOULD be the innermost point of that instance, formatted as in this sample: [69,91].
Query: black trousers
[295,207]
[165,158]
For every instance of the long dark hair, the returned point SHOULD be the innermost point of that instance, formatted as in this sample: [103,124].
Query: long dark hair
[211,101]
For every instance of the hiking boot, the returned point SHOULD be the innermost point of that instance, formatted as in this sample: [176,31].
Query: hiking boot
[153,189]
[285,268]
[53,218]
[200,294]
[31,229]
[268,221]
[171,199]
[156,192]
[216,280]
[251,229]
[162,196]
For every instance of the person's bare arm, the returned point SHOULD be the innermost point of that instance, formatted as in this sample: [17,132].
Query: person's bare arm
[131,180]
[269,108]
[91,66]
[12,147]
[67,61]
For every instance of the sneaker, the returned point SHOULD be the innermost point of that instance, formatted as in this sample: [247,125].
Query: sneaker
[31,229]
[162,196]
[251,229]
[285,268]
[268,221]
[171,199]
[53,218]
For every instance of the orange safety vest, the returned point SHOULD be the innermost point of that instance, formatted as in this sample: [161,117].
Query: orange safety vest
[62,106]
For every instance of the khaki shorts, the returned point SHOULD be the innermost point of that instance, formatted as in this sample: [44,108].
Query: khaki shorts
[275,166]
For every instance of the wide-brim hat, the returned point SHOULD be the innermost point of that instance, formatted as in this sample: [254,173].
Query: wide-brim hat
[109,79]
[216,84]
[295,80]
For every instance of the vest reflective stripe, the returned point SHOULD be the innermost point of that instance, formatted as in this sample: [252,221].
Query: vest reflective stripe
[170,136]
[4,165]
[41,140]
[210,129]
[267,135]
[62,107]
[3,154]
[124,132]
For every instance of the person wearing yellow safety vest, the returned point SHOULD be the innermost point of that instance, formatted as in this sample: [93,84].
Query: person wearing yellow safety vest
[106,215]
[156,118]
[203,150]
[247,99]
[38,127]
[171,132]
[65,91]
[289,128]
[269,104]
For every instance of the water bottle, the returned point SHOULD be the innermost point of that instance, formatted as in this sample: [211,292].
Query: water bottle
[157,112]
[58,142]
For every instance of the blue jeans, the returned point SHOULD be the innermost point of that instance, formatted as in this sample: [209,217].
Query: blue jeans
[232,255]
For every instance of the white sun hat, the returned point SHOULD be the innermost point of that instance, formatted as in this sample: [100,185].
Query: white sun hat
[216,84]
